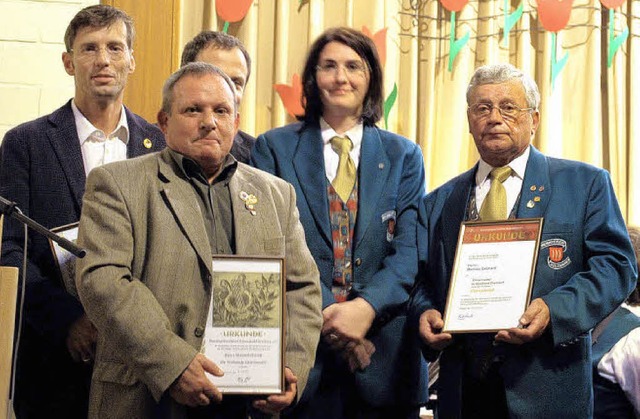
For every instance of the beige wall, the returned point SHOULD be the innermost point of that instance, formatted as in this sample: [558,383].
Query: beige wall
[32,79]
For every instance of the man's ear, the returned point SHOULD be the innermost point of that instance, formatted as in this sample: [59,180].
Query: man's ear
[162,121]
[67,61]
[236,123]
[132,64]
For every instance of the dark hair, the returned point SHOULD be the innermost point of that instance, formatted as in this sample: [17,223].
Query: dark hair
[366,49]
[218,40]
[197,68]
[98,16]
[634,235]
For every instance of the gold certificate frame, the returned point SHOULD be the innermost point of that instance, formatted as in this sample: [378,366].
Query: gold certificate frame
[492,275]
[245,327]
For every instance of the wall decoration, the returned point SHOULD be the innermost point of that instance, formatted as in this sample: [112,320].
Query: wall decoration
[231,11]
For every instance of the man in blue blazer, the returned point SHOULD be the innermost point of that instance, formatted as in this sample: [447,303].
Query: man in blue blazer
[43,167]
[585,267]
[343,92]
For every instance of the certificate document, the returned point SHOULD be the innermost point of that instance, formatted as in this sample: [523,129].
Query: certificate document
[492,275]
[244,334]
[65,260]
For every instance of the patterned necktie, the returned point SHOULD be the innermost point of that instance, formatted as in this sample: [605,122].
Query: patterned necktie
[494,206]
[346,174]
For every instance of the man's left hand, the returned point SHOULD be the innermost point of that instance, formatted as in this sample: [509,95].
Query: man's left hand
[347,321]
[276,402]
[533,323]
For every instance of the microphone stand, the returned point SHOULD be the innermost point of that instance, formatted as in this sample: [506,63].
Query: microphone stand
[10,209]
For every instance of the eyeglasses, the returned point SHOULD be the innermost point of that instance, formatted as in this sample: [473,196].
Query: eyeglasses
[115,52]
[507,110]
[352,68]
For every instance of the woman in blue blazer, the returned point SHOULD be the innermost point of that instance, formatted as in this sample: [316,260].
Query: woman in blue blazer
[362,237]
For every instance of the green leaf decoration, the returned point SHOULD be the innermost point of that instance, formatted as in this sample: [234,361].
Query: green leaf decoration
[510,20]
[615,42]
[455,45]
[556,65]
[388,104]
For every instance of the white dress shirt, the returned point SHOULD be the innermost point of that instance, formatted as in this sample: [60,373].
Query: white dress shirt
[621,364]
[97,147]
[512,185]
[331,158]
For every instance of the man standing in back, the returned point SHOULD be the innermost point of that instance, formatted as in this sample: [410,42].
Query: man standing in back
[227,53]
[43,167]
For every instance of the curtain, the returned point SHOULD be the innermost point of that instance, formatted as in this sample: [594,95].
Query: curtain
[589,111]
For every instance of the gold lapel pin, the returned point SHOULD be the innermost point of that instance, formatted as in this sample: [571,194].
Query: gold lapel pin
[147,143]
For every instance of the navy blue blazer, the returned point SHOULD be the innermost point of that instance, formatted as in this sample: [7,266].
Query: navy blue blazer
[241,147]
[42,170]
[550,377]
[391,184]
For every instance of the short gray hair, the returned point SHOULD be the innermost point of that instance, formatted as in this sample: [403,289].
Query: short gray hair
[193,69]
[500,73]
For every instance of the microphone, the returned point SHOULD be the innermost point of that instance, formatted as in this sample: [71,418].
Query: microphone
[11,209]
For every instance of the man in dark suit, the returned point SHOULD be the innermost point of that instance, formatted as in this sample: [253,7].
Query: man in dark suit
[585,266]
[229,54]
[43,166]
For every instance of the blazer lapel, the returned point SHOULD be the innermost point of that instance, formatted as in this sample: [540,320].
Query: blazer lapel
[182,201]
[308,163]
[63,137]
[536,187]
[373,170]
[453,213]
[140,141]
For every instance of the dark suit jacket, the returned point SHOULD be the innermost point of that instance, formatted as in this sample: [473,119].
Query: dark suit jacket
[550,377]
[391,185]
[242,145]
[41,169]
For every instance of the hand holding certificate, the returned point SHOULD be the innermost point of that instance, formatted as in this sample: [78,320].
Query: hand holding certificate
[492,275]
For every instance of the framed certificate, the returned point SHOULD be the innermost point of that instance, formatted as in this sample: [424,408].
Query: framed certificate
[492,275]
[244,334]
[65,260]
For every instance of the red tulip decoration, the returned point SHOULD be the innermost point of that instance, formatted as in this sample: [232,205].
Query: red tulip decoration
[232,11]
[554,16]
[291,96]
[615,42]
[455,45]
[380,41]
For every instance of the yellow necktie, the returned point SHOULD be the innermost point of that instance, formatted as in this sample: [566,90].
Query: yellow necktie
[346,174]
[494,206]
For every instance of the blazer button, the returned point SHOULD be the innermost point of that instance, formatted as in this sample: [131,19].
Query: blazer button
[358,262]
[199,332]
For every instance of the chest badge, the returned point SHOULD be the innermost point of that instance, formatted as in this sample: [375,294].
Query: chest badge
[556,259]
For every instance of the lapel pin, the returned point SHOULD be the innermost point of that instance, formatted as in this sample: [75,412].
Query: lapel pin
[250,201]
[532,188]
[536,198]
[530,204]
[541,188]
[147,143]
[380,165]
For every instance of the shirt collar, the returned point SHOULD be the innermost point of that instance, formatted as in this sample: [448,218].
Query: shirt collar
[86,129]
[354,133]
[518,166]
[192,170]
